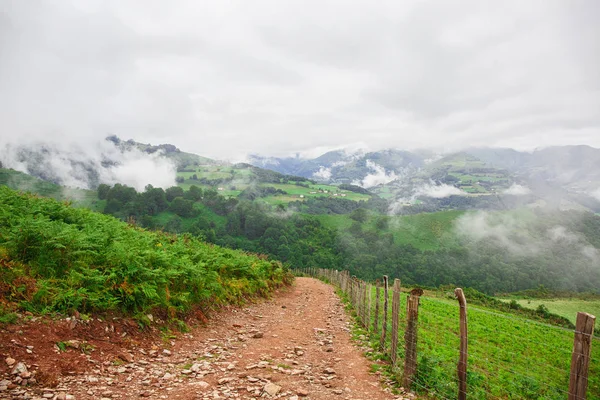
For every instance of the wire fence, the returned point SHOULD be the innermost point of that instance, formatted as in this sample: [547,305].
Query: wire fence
[503,356]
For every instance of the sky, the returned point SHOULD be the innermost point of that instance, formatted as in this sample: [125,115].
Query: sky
[228,78]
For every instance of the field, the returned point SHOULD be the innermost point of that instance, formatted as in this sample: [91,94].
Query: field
[509,357]
[231,181]
[426,231]
[567,308]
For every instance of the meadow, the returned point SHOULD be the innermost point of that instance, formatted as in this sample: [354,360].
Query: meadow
[565,307]
[509,357]
[425,231]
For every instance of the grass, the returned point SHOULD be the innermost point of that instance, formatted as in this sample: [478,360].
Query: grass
[509,357]
[26,183]
[56,258]
[567,308]
[426,231]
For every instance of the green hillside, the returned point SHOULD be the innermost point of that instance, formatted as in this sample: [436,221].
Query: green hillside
[27,183]
[425,231]
[57,258]
[510,357]
[256,183]
[565,307]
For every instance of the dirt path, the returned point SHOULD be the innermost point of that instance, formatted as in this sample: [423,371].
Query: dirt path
[296,345]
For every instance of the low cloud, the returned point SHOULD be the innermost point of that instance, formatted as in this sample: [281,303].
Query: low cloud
[85,167]
[339,163]
[517,190]
[323,174]
[503,230]
[379,176]
[438,191]
[522,235]
[596,194]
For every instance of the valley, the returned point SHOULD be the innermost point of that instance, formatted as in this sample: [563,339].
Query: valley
[452,221]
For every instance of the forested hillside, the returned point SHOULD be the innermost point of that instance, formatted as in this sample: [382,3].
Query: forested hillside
[500,251]
[56,257]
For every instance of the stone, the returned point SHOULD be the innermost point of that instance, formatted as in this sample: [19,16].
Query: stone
[10,361]
[258,335]
[203,385]
[128,357]
[19,369]
[195,368]
[302,392]
[271,389]
[168,376]
[166,352]
[74,344]
[329,371]
[223,381]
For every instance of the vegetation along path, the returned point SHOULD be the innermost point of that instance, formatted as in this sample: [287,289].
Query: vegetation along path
[295,345]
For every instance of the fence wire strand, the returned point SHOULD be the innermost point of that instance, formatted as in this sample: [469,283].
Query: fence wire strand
[486,357]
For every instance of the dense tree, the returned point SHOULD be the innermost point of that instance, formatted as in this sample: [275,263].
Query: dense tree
[194,193]
[174,191]
[360,215]
[182,207]
[103,190]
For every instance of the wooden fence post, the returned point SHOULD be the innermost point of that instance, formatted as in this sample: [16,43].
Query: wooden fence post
[385,308]
[462,361]
[410,337]
[365,304]
[376,322]
[369,302]
[395,315]
[580,360]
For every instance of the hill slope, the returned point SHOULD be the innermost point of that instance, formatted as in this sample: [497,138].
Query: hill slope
[60,258]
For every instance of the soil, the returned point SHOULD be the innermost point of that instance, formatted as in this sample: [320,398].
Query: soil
[295,345]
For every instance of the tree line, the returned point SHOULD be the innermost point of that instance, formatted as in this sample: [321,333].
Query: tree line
[368,250]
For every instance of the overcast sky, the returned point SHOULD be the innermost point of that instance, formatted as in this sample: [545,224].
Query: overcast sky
[227,78]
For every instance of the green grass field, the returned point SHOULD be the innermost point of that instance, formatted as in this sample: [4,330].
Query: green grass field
[426,231]
[238,179]
[567,308]
[509,357]
[26,183]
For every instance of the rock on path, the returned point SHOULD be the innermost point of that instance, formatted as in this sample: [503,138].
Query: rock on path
[295,346]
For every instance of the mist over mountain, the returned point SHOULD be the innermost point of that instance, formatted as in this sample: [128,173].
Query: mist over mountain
[107,161]
[561,177]
[565,177]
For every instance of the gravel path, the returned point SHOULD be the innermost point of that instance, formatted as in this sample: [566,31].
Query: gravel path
[293,346]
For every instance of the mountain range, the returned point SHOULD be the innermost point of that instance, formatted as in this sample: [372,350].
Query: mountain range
[566,176]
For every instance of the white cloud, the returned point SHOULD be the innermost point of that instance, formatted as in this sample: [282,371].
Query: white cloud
[520,235]
[339,164]
[517,190]
[438,191]
[596,194]
[84,166]
[504,230]
[226,79]
[379,176]
[323,174]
